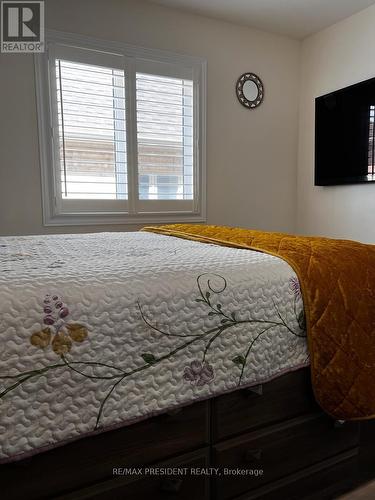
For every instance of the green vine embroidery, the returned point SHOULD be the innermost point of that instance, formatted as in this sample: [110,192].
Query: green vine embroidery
[60,334]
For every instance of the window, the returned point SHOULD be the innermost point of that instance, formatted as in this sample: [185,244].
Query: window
[144,187]
[121,133]
[171,187]
[161,187]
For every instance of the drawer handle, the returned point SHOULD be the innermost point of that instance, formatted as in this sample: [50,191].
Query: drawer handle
[167,415]
[171,485]
[339,424]
[255,389]
[253,455]
[174,412]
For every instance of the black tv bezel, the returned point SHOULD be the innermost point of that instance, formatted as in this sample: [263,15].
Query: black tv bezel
[338,181]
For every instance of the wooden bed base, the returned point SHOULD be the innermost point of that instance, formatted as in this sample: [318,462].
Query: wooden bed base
[266,443]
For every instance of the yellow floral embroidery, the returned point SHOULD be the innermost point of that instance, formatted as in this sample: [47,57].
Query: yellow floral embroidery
[61,343]
[77,332]
[42,338]
[62,340]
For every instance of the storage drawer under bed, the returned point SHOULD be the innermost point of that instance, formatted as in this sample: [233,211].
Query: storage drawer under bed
[280,450]
[246,409]
[322,481]
[155,487]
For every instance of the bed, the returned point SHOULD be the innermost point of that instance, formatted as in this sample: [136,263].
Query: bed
[142,348]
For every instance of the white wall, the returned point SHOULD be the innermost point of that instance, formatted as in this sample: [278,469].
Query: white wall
[251,154]
[334,58]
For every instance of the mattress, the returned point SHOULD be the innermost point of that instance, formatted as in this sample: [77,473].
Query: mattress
[102,330]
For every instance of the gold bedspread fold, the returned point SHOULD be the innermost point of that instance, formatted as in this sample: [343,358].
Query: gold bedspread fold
[337,280]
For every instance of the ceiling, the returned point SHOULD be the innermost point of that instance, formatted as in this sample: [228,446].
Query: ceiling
[295,18]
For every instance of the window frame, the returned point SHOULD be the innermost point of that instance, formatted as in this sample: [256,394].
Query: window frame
[133,210]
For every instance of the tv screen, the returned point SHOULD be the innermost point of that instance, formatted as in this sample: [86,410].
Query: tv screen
[345,135]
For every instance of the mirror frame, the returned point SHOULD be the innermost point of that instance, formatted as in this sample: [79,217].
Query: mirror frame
[239,90]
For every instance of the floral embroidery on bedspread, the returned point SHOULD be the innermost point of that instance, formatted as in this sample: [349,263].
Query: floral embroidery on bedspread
[60,333]
[58,330]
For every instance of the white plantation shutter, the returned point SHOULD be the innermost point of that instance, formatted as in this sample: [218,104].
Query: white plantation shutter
[165,137]
[126,142]
[92,131]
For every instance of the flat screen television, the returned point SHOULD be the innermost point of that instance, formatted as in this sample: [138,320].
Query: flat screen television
[345,135]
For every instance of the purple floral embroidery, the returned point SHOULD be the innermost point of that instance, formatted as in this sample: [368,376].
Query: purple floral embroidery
[58,332]
[199,373]
[54,309]
[295,287]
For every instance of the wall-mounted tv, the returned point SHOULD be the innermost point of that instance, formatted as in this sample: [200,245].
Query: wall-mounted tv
[345,135]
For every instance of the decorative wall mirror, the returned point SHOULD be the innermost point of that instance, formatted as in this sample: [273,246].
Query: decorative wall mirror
[250,90]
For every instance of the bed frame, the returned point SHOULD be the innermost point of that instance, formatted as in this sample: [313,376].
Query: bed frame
[276,428]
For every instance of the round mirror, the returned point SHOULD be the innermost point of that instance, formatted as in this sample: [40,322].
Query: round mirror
[250,90]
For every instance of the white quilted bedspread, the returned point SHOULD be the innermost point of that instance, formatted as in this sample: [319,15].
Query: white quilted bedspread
[102,330]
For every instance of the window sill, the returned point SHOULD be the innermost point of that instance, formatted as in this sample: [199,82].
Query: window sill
[123,219]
